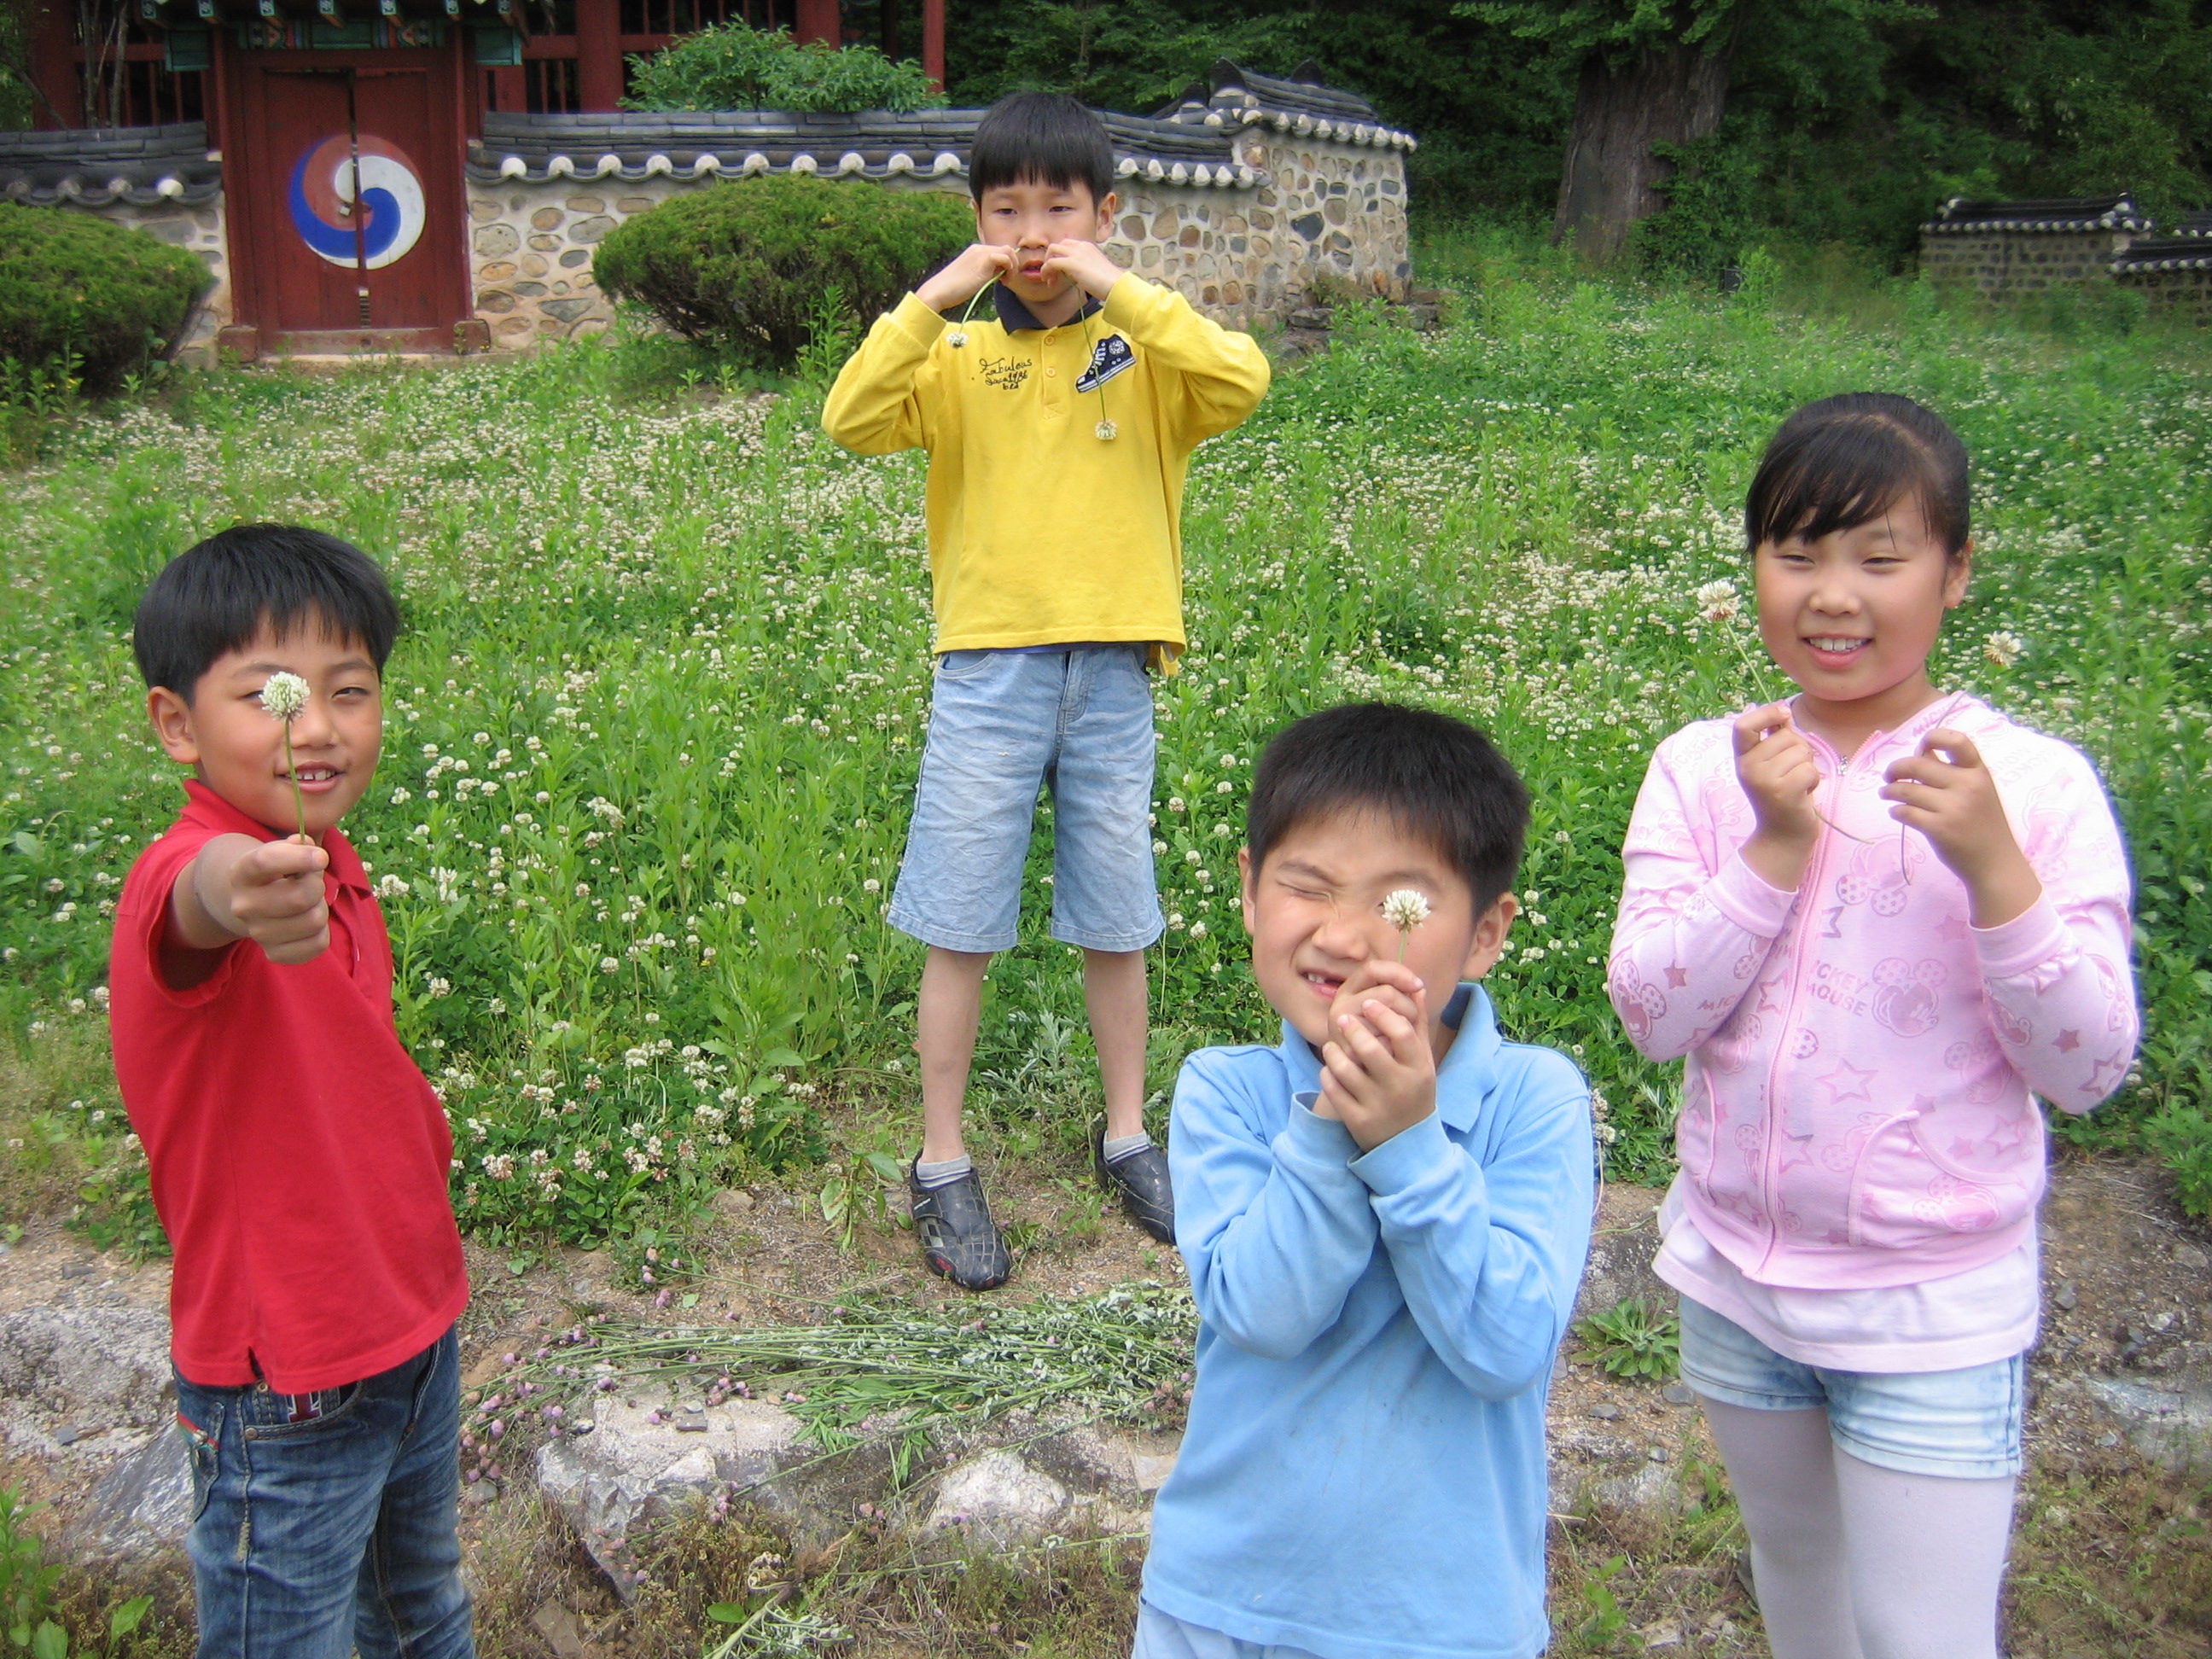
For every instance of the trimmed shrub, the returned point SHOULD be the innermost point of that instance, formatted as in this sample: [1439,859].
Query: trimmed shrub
[731,66]
[85,296]
[750,265]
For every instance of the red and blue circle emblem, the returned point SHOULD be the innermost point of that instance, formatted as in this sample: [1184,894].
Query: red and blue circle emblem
[390,210]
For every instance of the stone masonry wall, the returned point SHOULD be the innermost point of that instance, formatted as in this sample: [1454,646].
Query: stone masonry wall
[2185,295]
[1243,255]
[2018,262]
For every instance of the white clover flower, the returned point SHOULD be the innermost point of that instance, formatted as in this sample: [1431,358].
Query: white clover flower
[391,887]
[1197,930]
[283,696]
[1406,910]
[2003,650]
[1718,601]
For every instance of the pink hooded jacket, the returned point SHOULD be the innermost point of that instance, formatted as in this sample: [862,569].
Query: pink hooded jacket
[1856,1107]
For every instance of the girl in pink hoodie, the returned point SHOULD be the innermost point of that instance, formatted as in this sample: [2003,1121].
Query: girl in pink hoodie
[1879,919]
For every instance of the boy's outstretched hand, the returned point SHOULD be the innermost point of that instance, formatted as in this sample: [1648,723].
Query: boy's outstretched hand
[1948,792]
[974,269]
[1378,1071]
[269,891]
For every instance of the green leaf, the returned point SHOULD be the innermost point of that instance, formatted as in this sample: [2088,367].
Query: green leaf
[782,1057]
[25,842]
[128,1617]
[52,1642]
[886,1166]
[726,1613]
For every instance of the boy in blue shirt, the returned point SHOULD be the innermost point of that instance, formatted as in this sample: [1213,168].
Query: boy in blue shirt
[1384,1219]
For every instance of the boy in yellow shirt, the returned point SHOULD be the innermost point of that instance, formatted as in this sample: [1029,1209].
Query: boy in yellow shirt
[1059,398]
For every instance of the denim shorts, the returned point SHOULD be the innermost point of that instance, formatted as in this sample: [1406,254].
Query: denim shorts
[1002,726]
[1965,1424]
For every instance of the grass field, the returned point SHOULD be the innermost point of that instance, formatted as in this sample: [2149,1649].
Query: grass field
[655,720]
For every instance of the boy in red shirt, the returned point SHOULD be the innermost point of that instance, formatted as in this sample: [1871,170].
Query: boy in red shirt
[299,1156]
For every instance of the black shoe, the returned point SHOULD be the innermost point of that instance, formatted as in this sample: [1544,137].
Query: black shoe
[1141,1178]
[958,1238]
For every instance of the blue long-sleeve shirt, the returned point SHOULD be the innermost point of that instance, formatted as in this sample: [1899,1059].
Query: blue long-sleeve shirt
[1363,1475]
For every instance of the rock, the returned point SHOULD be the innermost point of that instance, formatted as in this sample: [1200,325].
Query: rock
[558,1627]
[110,1365]
[1653,1489]
[2171,1427]
[732,1201]
[2190,1257]
[999,1498]
[1677,1393]
[629,1470]
[2067,1296]
[140,1508]
[1605,1411]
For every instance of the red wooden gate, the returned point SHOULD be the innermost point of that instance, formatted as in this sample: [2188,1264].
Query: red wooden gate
[351,167]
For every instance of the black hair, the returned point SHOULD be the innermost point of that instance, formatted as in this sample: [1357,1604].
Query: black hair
[214,598]
[1436,777]
[1040,137]
[1846,460]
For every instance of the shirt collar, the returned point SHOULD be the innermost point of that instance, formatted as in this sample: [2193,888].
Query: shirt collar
[209,811]
[1461,1080]
[1014,315]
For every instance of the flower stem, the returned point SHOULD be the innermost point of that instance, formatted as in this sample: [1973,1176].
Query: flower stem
[291,774]
[1751,668]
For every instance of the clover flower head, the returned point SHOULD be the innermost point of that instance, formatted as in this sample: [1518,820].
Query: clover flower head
[1406,910]
[284,696]
[1719,602]
[2003,650]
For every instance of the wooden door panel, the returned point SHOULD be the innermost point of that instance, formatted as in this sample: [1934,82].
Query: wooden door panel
[354,180]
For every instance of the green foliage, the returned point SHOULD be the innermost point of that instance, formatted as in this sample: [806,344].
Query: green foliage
[653,726]
[734,66]
[1632,1339]
[85,298]
[749,266]
[29,1615]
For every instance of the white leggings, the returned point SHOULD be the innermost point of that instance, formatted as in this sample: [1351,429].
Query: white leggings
[1854,1561]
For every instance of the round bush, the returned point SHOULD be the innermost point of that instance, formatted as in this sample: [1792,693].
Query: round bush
[746,264]
[732,66]
[73,286]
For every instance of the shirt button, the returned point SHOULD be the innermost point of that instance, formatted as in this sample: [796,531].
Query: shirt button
[1050,372]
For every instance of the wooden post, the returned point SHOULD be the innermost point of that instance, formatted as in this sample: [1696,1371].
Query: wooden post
[933,42]
[57,98]
[598,54]
[818,20]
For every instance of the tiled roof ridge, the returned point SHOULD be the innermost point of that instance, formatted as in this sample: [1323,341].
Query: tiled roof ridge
[94,167]
[2185,253]
[2117,211]
[1233,96]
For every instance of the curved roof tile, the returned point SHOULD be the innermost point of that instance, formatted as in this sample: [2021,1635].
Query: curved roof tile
[1960,216]
[94,167]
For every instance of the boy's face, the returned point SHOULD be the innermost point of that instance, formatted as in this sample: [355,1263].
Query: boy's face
[237,748]
[1314,912]
[1030,217]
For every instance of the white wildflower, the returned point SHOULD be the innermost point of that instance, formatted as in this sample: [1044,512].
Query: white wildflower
[284,696]
[1406,910]
[2003,650]
[1719,602]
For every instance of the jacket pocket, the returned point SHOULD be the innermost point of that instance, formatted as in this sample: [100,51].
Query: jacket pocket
[1906,1188]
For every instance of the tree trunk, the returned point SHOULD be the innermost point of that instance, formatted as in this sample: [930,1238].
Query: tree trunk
[1667,96]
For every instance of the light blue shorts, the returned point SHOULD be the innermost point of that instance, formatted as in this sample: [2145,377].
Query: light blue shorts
[1163,1636]
[1002,726]
[1965,1424]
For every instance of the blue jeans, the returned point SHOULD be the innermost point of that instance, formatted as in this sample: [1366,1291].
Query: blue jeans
[312,1537]
[1003,725]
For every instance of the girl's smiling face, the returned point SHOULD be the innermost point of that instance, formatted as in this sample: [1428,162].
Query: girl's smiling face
[1851,616]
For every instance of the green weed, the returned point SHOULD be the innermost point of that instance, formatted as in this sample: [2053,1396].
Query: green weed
[1632,1339]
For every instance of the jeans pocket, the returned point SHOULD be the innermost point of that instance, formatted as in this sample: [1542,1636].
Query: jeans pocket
[200,1456]
[958,665]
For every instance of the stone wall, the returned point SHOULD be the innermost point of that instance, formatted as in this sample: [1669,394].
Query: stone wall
[1306,212]
[2013,263]
[2184,294]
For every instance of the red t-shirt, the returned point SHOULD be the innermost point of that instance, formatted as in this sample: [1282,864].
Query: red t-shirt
[299,1156]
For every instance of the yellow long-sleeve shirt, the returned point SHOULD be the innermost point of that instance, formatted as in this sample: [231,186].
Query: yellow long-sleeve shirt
[1041,533]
